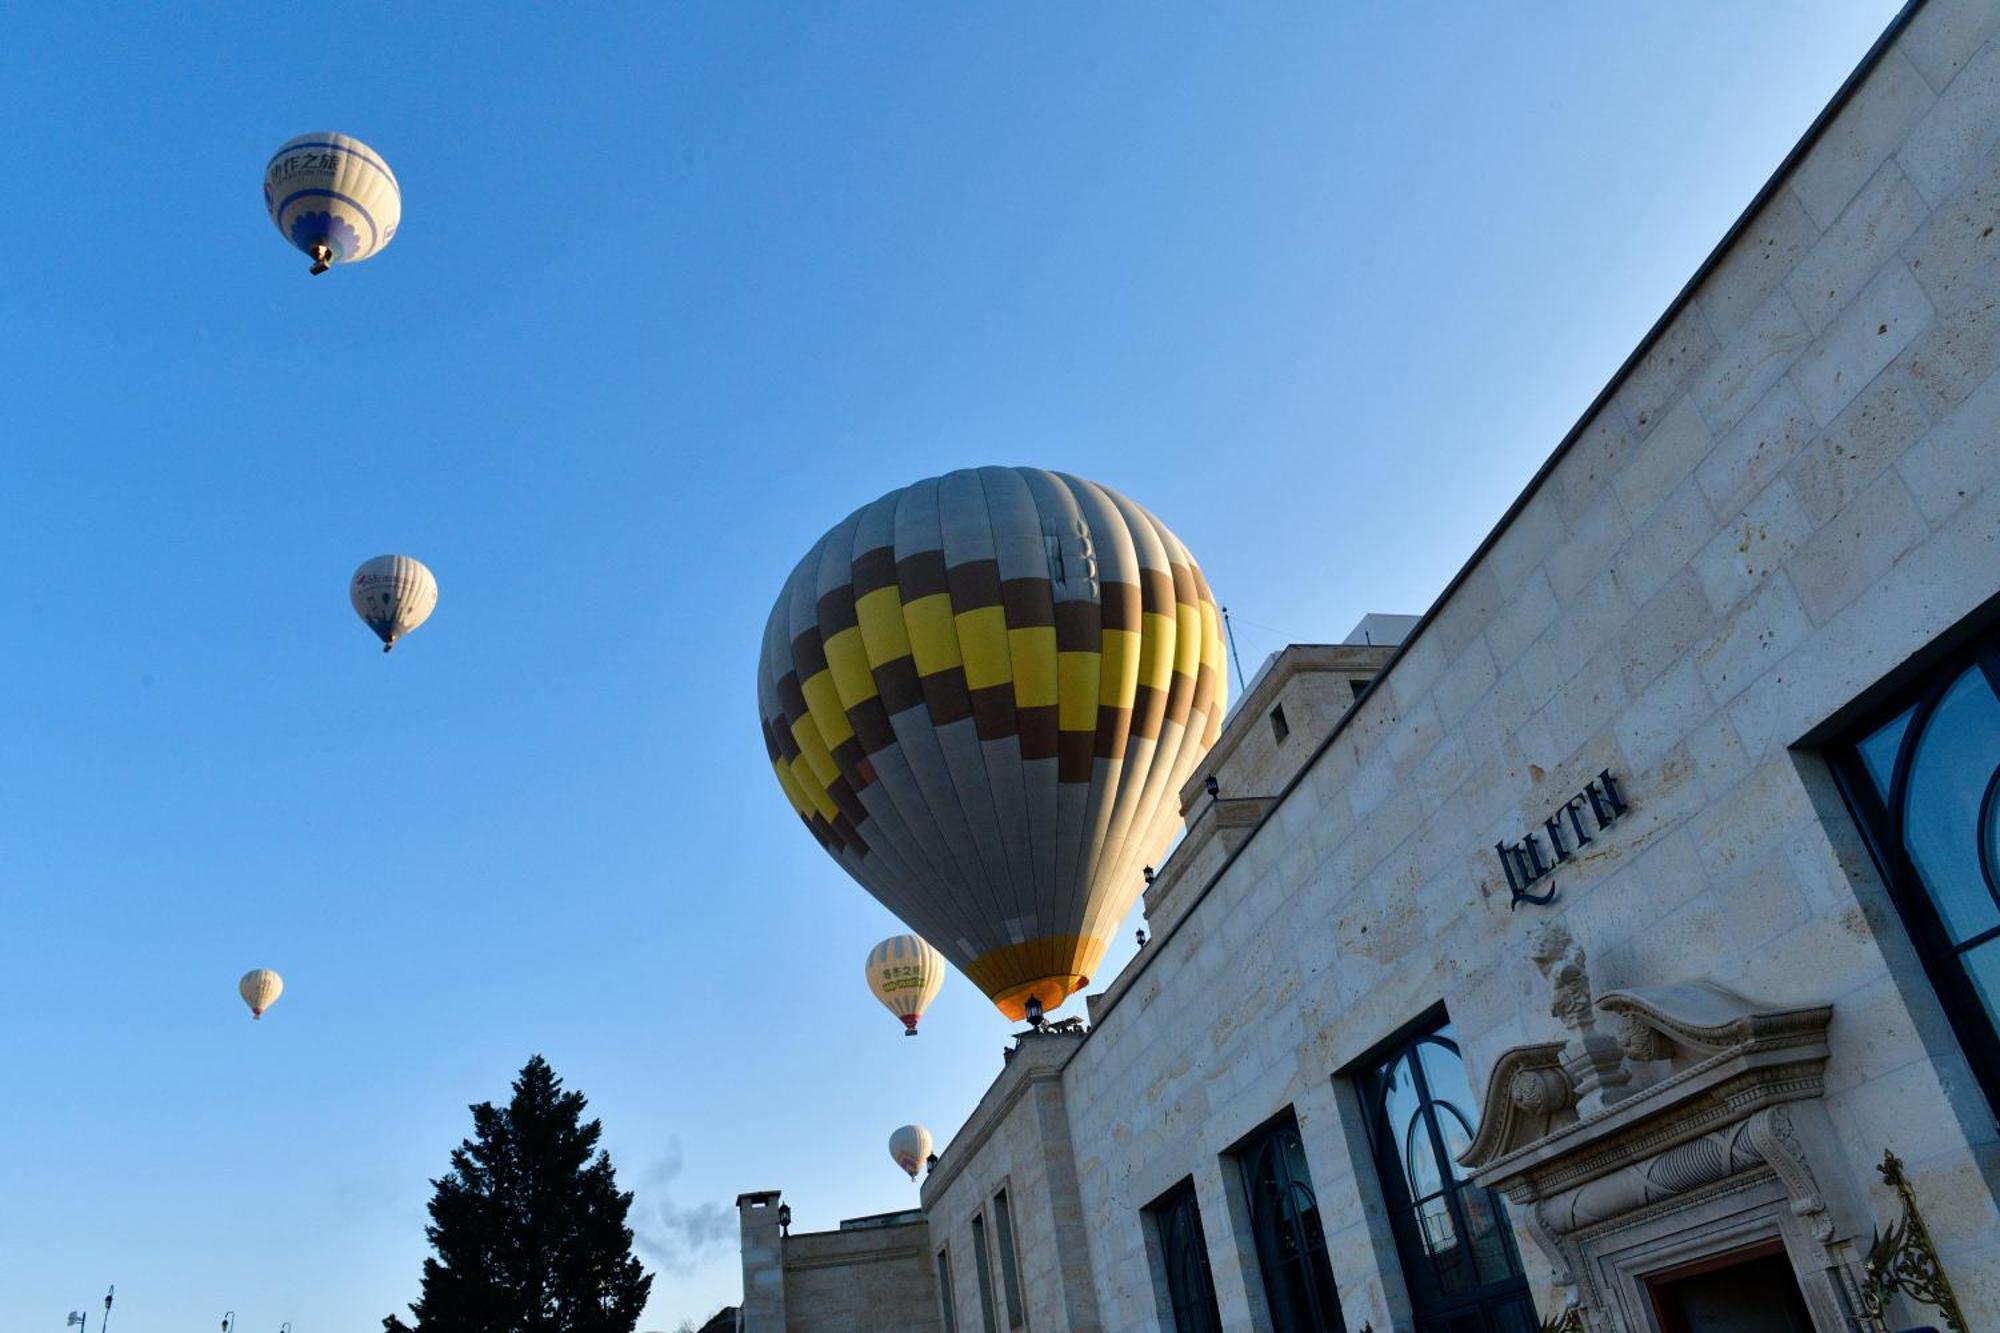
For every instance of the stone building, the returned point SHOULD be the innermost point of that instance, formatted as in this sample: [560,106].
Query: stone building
[873,1272]
[1582,953]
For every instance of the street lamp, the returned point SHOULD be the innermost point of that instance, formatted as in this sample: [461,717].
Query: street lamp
[229,1322]
[105,1322]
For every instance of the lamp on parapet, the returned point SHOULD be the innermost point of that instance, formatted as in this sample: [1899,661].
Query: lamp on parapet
[785,1219]
[1034,1007]
[1211,786]
[1140,933]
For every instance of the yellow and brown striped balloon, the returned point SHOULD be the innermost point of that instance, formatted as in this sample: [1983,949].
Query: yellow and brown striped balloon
[982,694]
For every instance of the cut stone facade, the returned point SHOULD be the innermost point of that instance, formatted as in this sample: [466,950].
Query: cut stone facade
[1785,501]
[872,1274]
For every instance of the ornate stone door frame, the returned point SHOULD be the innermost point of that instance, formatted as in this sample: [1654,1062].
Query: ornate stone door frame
[1674,1124]
[1737,1213]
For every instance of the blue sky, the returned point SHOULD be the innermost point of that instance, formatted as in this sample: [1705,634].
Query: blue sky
[677,287]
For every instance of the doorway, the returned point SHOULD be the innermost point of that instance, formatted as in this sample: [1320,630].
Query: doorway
[1745,1291]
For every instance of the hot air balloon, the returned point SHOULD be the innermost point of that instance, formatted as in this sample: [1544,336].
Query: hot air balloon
[906,975]
[333,197]
[394,594]
[910,1146]
[982,694]
[260,989]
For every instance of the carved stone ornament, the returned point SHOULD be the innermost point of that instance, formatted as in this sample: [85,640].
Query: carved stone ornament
[1640,1040]
[1592,1061]
[1702,1106]
[1561,959]
[1542,1091]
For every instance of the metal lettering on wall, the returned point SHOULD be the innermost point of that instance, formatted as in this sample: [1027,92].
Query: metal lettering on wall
[1562,835]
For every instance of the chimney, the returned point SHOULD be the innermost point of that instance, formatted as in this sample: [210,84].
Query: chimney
[763,1263]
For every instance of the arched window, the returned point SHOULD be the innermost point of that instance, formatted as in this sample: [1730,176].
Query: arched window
[1458,1252]
[1184,1253]
[1924,779]
[1291,1244]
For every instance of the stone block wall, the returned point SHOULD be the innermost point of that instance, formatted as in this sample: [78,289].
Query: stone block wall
[862,1279]
[1018,1140]
[1793,491]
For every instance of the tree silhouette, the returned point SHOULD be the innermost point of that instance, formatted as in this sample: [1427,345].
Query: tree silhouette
[529,1225]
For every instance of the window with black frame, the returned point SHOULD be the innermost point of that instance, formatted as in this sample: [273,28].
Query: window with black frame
[1010,1271]
[1291,1243]
[984,1267]
[1923,777]
[1184,1254]
[1457,1251]
[945,1298]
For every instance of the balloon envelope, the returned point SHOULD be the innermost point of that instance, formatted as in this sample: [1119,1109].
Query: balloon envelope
[911,1147]
[905,974]
[260,989]
[394,594]
[333,197]
[982,694]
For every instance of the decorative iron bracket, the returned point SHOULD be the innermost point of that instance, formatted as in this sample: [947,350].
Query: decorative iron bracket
[1904,1260]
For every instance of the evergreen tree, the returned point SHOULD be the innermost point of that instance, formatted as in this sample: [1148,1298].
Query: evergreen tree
[529,1225]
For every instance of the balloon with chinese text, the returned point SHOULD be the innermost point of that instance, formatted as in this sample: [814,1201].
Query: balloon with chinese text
[905,974]
[332,197]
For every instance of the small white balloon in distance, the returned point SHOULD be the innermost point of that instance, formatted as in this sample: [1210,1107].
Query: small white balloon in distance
[260,989]
[911,1147]
[393,594]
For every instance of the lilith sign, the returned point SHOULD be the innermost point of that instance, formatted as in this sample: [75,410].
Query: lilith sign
[1562,835]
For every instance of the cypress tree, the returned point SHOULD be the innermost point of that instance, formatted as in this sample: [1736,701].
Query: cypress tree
[529,1225]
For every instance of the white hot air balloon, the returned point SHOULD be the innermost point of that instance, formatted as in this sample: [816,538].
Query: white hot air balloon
[260,989]
[394,594]
[911,1147]
[905,974]
[333,197]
